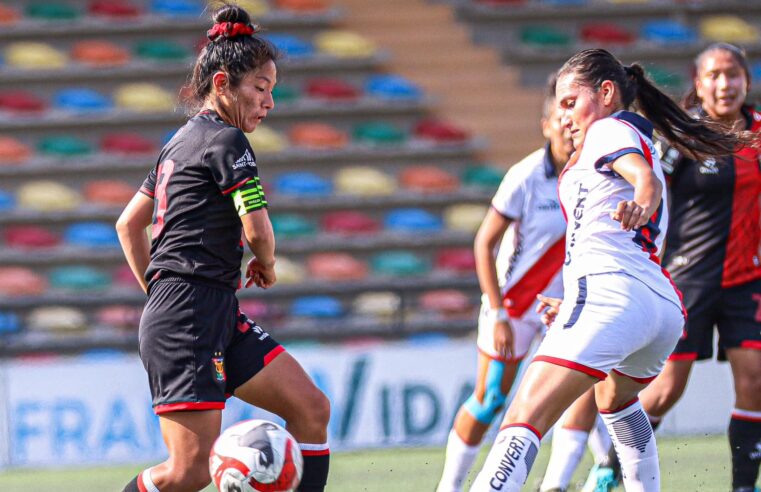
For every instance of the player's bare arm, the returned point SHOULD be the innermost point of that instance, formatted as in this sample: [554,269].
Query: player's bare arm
[130,227]
[647,191]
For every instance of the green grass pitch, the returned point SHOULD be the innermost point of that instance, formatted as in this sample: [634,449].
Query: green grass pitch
[687,464]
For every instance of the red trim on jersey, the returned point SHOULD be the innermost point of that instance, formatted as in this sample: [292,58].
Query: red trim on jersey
[751,344]
[571,162]
[189,406]
[636,380]
[512,360]
[595,373]
[684,356]
[622,407]
[140,484]
[235,187]
[146,191]
[272,354]
[746,418]
[525,426]
[319,452]
[522,295]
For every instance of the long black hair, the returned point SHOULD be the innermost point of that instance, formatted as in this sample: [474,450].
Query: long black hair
[699,138]
[235,51]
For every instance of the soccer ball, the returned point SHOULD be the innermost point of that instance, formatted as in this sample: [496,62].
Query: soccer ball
[256,455]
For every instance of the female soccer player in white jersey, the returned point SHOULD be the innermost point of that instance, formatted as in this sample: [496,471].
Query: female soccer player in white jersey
[622,316]
[525,221]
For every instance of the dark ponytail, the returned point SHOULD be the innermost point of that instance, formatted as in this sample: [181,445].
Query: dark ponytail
[234,48]
[697,137]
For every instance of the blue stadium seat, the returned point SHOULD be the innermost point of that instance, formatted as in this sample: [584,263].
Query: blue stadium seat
[177,7]
[81,99]
[412,220]
[317,307]
[7,201]
[92,235]
[9,323]
[291,45]
[668,32]
[303,184]
[392,87]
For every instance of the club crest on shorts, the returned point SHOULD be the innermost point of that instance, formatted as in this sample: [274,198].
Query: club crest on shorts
[219,366]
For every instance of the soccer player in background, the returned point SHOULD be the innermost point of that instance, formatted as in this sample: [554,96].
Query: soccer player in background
[196,346]
[525,224]
[622,315]
[712,253]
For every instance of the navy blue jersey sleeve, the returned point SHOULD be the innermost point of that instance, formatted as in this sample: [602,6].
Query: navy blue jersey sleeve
[231,160]
[148,187]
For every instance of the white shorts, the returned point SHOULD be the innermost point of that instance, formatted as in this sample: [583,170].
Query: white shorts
[525,329]
[613,322]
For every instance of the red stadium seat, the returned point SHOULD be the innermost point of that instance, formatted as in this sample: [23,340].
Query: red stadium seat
[127,143]
[460,260]
[349,222]
[603,33]
[30,237]
[332,89]
[117,9]
[123,277]
[336,266]
[100,53]
[440,132]
[20,282]
[12,151]
[109,192]
[118,316]
[21,102]
[428,179]
[448,302]
[317,136]
[302,5]
[8,16]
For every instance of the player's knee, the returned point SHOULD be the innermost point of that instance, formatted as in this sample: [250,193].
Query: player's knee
[309,421]
[320,409]
[748,389]
[484,410]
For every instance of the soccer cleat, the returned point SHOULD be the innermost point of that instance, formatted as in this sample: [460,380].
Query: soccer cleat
[601,479]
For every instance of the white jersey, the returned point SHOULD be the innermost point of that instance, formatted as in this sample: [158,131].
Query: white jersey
[531,253]
[590,191]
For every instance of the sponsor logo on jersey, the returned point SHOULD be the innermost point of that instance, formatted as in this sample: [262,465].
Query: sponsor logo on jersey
[709,166]
[578,213]
[548,205]
[219,366]
[245,160]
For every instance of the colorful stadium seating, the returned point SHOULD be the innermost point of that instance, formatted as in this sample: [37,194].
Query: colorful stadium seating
[321,307]
[144,98]
[332,89]
[338,267]
[379,133]
[126,143]
[317,136]
[64,146]
[412,220]
[114,9]
[267,140]
[30,237]
[47,196]
[290,226]
[448,302]
[729,29]
[79,278]
[19,101]
[667,32]
[100,53]
[8,15]
[57,319]
[161,50]
[344,44]
[544,37]
[288,271]
[291,46]
[464,217]
[34,56]
[399,264]
[428,179]
[81,100]
[21,282]
[440,132]
[91,235]
[364,181]
[12,151]
[178,7]
[392,87]
[349,222]
[51,11]
[302,184]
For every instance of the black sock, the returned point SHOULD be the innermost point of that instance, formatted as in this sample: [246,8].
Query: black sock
[132,486]
[315,474]
[745,444]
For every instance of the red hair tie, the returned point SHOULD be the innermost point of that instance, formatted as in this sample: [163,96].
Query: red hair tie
[230,30]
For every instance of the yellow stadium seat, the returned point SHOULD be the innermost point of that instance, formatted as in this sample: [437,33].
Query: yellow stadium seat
[464,217]
[365,181]
[34,56]
[255,8]
[265,139]
[380,304]
[728,28]
[57,318]
[144,98]
[47,196]
[344,44]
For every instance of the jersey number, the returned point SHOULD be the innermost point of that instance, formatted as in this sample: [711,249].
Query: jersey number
[163,172]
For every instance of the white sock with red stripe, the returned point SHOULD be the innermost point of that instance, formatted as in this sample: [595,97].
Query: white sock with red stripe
[510,460]
[567,450]
[459,459]
[599,441]
[635,446]
[316,467]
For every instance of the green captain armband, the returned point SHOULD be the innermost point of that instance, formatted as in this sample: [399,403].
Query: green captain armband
[249,197]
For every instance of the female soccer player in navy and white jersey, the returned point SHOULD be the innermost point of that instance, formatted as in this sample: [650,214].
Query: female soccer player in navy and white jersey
[622,315]
[196,346]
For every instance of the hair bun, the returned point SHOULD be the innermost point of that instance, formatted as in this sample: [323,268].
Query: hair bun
[635,70]
[231,13]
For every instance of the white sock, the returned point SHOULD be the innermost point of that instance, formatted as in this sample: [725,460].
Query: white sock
[635,445]
[459,460]
[567,450]
[145,477]
[599,441]
[509,461]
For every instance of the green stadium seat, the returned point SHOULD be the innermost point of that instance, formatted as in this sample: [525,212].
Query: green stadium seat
[52,11]
[284,93]
[379,133]
[161,50]
[290,226]
[666,79]
[64,146]
[399,264]
[79,278]
[482,176]
[544,37]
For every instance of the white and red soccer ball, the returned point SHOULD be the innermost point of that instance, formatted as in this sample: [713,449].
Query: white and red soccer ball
[256,456]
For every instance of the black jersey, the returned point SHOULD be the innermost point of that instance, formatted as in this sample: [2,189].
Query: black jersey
[196,229]
[714,233]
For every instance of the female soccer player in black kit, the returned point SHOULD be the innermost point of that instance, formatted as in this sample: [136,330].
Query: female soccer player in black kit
[712,253]
[196,346]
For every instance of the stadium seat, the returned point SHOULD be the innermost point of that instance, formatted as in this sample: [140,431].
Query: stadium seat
[392,87]
[290,45]
[440,132]
[317,136]
[729,29]
[7,201]
[9,322]
[448,302]
[124,278]
[81,100]
[19,101]
[666,79]
[265,139]
[288,271]
[544,37]
[668,32]
[119,316]
[564,3]
[64,146]
[379,304]
[302,6]
[255,8]
[290,226]
[144,98]
[399,264]
[34,56]
[606,34]
[178,7]
[285,93]
[379,133]
[99,53]
[47,196]
[91,235]
[57,318]
[12,151]
[53,11]
[460,260]
[364,181]
[755,70]
[335,266]
[8,16]
[127,143]
[428,179]
[79,278]
[412,220]
[21,282]
[344,44]
[29,237]
[302,184]
[349,222]
[464,217]
[332,89]
[255,309]
[482,176]
[317,307]
[116,9]
[161,50]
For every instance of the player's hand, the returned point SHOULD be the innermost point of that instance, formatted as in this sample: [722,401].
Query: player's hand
[504,343]
[548,307]
[630,214]
[261,275]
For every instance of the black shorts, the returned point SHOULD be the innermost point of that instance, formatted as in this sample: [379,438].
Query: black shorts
[735,311]
[196,345]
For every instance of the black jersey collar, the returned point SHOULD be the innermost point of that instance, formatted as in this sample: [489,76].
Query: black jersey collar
[549,167]
[639,122]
